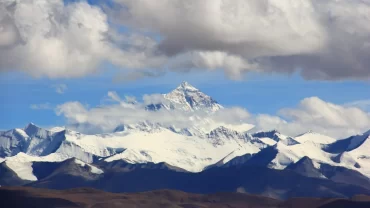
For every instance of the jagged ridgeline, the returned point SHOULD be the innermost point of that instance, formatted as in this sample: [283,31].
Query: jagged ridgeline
[145,156]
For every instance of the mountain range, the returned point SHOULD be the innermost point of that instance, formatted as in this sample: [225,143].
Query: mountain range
[146,156]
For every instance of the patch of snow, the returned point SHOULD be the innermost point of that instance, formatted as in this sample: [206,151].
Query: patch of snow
[357,160]
[22,169]
[268,141]
[291,154]
[315,137]
[191,153]
[247,149]
[347,159]
[21,164]
[21,132]
[238,127]
[361,153]
[274,134]
[57,129]
[93,169]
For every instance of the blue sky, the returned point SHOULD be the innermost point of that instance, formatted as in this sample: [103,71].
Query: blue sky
[258,93]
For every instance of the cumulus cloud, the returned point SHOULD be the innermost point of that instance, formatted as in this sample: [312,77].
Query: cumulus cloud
[321,39]
[231,115]
[50,38]
[338,121]
[75,112]
[213,60]
[54,39]
[154,99]
[317,115]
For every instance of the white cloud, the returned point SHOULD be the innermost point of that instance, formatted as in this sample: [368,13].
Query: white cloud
[311,114]
[232,115]
[60,88]
[107,117]
[362,104]
[75,112]
[53,39]
[129,102]
[233,65]
[43,106]
[154,99]
[320,39]
[317,115]
[114,96]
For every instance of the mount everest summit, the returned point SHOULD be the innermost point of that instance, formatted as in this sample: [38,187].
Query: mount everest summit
[188,98]
[39,157]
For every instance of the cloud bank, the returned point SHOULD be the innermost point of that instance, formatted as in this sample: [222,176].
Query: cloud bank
[326,40]
[338,121]
[317,115]
[57,40]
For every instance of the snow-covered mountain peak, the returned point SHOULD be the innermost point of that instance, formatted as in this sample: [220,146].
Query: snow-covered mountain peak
[186,87]
[223,131]
[314,137]
[57,129]
[271,132]
[31,129]
[273,135]
[222,134]
[189,98]
[307,132]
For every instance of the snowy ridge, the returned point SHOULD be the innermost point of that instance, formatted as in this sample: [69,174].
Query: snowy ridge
[191,153]
[187,151]
[32,140]
[359,150]
[314,137]
[357,159]
[57,129]
[155,144]
[93,169]
[272,137]
[21,164]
